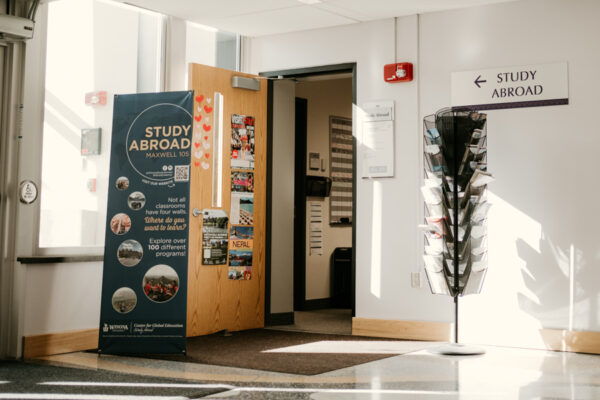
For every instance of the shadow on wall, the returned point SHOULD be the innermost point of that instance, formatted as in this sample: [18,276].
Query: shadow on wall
[543,278]
[62,154]
[542,226]
[552,276]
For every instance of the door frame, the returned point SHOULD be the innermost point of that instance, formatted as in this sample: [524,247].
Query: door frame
[300,284]
[11,276]
[300,150]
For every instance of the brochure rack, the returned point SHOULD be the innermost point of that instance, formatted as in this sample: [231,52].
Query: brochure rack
[456,203]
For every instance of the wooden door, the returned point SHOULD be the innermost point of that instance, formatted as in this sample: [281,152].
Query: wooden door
[214,301]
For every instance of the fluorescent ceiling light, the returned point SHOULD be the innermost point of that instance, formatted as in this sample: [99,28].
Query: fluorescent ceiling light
[310,1]
[132,7]
[200,26]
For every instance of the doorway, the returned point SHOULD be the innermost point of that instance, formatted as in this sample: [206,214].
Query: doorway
[323,206]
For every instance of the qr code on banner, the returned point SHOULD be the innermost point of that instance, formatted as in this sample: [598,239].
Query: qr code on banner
[182,173]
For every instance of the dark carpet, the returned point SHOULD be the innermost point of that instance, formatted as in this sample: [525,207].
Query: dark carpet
[18,378]
[245,349]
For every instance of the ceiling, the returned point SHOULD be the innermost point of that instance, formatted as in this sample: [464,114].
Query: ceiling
[268,17]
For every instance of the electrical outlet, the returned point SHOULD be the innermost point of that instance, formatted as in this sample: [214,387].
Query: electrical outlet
[415,279]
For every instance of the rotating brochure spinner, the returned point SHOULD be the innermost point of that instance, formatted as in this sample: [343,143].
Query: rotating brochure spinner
[456,205]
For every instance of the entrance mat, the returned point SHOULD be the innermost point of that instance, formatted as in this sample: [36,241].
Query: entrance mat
[289,352]
[25,380]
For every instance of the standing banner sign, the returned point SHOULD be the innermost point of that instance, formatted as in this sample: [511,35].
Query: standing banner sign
[144,288]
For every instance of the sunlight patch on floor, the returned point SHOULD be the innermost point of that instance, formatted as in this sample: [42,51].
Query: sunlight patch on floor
[353,347]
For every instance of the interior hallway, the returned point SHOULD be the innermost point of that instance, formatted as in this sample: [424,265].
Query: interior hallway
[417,372]
[334,321]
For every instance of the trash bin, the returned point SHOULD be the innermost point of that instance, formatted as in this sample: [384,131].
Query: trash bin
[341,277]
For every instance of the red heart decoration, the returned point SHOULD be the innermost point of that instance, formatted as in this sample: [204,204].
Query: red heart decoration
[198,118]
[206,138]
[208,109]
[200,98]
[196,144]
[207,155]
[196,163]
[206,127]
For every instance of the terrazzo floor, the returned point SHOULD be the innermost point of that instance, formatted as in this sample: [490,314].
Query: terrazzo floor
[500,373]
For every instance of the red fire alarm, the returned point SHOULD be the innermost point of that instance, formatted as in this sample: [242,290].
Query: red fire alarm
[95,98]
[400,72]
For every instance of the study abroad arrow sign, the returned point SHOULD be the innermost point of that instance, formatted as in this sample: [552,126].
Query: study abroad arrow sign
[478,80]
[511,87]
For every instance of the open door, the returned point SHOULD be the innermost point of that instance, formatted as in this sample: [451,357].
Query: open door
[216,302]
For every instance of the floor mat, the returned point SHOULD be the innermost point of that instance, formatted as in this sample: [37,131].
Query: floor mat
[289,352]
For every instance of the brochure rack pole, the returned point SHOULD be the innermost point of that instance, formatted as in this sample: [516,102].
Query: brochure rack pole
[455,226]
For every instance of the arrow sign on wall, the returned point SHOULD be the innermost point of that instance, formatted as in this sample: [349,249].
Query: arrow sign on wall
[511,87]
[478,81]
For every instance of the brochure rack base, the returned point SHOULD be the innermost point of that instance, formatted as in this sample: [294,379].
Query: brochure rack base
[457,349]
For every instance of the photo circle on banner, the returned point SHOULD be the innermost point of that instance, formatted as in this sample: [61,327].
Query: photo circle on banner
[130,252]
[124,300]
[136,200]
[161,283]
[122,183]
[120,224]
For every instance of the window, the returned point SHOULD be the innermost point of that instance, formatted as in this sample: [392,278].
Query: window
[209,46]
[95,48]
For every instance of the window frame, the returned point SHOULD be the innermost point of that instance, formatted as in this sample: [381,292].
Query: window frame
[93,253]
[33,121]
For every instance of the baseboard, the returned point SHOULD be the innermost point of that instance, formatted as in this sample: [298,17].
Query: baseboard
[317,304]
[57,343]
[571,341]
[285,318]
[538,339]
[409,330]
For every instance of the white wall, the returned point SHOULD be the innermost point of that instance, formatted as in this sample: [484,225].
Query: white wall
[387,209]
[61,297]
[542,159]
[325,98]
[187,43]
[175,55]
[201,47]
